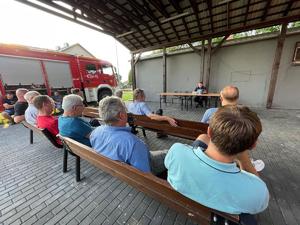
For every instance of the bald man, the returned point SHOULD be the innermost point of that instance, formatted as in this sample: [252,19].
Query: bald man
[20,106]
[228,96]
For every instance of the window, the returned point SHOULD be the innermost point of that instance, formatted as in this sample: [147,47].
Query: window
[107,69]
[91,69]
[296,58]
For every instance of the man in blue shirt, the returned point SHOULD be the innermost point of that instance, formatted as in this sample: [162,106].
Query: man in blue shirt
[115,141]
[211,177]
[228,96]
[139,107]
[70,124]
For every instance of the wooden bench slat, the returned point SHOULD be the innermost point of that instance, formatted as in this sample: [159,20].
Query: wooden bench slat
[147,183]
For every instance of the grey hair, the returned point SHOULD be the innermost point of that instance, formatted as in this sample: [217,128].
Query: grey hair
[109,109]
[30,95]
[69,101]
[119,93]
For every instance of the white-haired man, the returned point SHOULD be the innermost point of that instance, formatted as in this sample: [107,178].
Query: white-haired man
[31,112]
[20,106]
[115,141]
[70,124]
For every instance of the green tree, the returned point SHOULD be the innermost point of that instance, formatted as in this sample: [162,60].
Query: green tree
[130,77]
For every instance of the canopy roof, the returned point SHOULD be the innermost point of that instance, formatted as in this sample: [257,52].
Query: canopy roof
[143,25]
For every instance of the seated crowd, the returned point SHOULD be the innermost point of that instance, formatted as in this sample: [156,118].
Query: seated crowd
[215,170]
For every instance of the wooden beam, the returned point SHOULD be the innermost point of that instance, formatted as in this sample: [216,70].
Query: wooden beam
[161,9]
[164,73]
[209,6]
[265,13]
[137,58]
[246,12]
[223,33]
[219,45]
[203,61]
[196,11]
[133,71]
[196,50]
[288,8]
[276,64]
[228,14]
[208,64]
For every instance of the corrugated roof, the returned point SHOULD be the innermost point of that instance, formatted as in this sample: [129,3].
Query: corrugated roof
[146,25]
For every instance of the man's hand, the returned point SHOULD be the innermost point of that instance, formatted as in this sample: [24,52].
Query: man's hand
[172,122]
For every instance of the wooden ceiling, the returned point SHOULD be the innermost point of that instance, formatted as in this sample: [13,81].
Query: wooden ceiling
[143,25]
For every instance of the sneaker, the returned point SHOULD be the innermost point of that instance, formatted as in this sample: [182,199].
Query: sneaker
[259,165]
[6,125]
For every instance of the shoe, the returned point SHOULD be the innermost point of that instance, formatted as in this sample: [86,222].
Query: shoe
[6,125]
[259,165]
[161,135]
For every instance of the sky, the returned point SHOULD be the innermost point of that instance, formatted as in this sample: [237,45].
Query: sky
[25,25]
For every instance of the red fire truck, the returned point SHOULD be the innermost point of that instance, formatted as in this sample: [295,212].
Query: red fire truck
[47,71]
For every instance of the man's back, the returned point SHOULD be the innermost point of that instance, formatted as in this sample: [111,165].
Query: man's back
[75,128]
[118,143]
[221,186]
[139,108]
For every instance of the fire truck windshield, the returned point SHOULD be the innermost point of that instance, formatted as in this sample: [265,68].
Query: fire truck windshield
[107,69]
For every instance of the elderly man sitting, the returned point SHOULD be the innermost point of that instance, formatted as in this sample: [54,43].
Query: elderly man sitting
[115,141]
[70,124]
[31,112]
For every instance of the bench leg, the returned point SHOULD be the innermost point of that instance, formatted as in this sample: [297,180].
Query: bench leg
[144,132]
[65,160]
[31,136]
[77,168]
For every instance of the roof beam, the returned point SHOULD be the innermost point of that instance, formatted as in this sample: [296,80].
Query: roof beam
[246,12]
[26,2]
[227,14]
[288,8]
[161,8]
[223,33]
[219,45]
[209,6]
[177,7]
[140,8]
[265,13]
[196,11]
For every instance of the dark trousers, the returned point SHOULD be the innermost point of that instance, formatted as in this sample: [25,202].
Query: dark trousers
[200,100]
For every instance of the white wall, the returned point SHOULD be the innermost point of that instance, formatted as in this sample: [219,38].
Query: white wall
[248,66]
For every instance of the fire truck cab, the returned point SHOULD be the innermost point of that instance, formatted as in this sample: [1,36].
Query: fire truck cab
[47,71]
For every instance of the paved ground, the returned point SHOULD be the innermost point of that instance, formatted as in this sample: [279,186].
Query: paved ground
[33,189]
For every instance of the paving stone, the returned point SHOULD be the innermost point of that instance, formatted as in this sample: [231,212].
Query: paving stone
[33,189]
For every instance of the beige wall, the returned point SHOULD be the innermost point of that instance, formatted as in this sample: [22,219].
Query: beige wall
[248,66]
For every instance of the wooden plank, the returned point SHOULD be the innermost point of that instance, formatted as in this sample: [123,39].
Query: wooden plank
[147,183]
[208,64]
[133,71]
[276,64]
[164,73]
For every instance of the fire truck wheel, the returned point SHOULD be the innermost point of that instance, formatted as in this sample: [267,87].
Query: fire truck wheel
[104,93]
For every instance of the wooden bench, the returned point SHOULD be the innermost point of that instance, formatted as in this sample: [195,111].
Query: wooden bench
[186,129]
[151,185]
[91,112]
[44,132]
